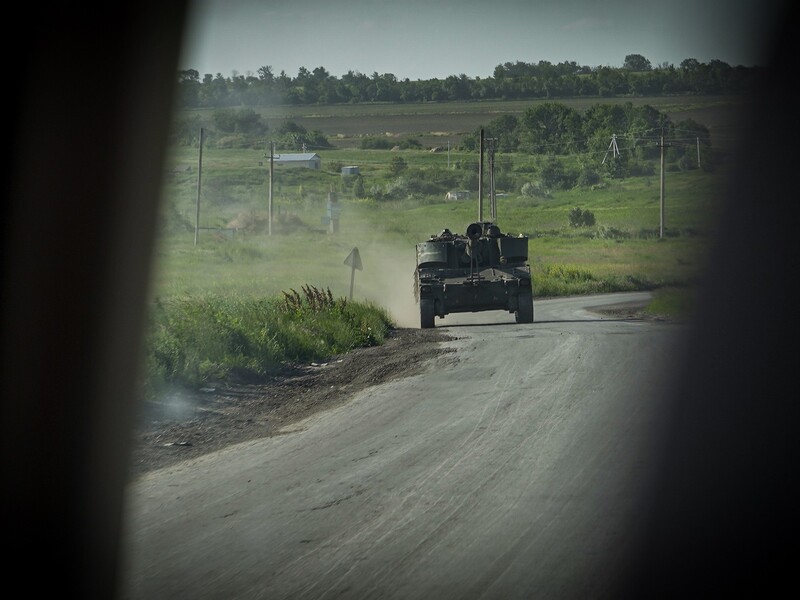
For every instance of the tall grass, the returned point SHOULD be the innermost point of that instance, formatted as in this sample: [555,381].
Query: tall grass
[193,341]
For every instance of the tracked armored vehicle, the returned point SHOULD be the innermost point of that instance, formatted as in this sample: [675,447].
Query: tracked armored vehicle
[481,270]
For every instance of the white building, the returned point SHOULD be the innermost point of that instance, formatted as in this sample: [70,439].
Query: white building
[307,160]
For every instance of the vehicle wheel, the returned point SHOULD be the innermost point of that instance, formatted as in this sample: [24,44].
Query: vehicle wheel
[426,314]
[524,312]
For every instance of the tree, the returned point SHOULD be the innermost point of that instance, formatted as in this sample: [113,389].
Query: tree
[549,128]
[189,87]
[245,121]
[555,175]
[636,62]
[616,167]
[690,64]
[292,136]
[504,128]
[397,165]
[509,81]
[185,130]
[265,73]
[610,82]
[189,75]
[224,120]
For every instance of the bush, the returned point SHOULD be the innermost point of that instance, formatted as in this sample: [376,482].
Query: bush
[641,169]
[233,141]
[375,143]
[410,143]
[581,218]
[611,233]
[358,187]
[534,190]
[555,176]
[588,177]
[397,165]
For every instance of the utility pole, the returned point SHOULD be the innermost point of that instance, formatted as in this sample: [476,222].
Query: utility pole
[612,147]
[662,145]
[698,151]
[271,175]
[480,182]
[448,154]
[333,211]
[199,174]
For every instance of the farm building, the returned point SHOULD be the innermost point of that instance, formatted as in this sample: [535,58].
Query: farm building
[307,160]
[350,170]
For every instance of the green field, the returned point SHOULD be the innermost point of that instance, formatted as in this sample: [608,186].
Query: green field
[235,256]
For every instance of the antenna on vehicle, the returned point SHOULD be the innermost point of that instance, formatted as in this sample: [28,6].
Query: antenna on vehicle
[492,197]
[480,180]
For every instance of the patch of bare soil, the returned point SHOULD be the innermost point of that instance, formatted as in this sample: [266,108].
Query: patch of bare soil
[186,424]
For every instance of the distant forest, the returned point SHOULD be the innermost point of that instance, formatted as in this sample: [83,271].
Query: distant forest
[509,81]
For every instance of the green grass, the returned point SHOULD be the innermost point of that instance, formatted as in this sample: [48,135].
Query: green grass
[195,340]
[623,246]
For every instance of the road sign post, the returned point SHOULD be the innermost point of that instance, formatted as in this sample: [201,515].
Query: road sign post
[353,260]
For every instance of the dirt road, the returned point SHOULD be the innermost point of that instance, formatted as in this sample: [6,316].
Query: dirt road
[186,424]
[515,460]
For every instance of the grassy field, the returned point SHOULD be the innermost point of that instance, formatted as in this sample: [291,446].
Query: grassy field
[623,250]
[239,299]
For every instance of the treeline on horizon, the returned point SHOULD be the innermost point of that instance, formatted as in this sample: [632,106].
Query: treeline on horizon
[510,81]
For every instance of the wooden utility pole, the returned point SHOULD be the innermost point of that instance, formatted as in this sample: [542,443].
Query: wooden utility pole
[271,174]
[199,174]
[480,182]
[698,151]
[662,145]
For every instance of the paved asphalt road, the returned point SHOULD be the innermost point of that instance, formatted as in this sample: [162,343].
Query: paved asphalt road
[517,469]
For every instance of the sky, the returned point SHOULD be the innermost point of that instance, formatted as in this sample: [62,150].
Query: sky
[429,39]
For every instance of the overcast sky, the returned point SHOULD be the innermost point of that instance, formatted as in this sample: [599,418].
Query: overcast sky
[433,39]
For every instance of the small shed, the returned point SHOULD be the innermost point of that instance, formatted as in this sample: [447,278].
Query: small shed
[352,170]
[305,160]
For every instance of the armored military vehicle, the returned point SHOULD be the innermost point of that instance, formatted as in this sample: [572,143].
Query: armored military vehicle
[481,270]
